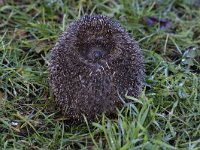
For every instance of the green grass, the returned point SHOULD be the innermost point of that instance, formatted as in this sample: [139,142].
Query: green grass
[167,115]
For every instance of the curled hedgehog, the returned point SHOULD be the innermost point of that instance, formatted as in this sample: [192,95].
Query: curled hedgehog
[92,66]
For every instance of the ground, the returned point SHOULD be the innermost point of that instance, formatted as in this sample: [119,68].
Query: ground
[166,116]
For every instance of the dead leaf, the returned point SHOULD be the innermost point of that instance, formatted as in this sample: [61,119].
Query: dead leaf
[1,99]
[1,2]
[164,23]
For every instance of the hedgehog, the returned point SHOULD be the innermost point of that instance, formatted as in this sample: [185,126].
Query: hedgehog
[93,65]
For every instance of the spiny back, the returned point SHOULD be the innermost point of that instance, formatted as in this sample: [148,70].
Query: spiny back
[93,63]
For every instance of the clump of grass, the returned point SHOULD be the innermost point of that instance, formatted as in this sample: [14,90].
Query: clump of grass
[167,116]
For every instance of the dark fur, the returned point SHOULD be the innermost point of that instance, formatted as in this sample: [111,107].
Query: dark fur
[93,62]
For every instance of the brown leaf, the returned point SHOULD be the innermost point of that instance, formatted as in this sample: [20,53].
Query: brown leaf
[1,99]
[1,2]
[164,23]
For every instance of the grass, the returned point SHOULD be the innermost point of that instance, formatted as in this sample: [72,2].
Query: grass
[167,116]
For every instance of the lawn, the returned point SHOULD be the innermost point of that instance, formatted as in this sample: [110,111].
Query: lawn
[166,116]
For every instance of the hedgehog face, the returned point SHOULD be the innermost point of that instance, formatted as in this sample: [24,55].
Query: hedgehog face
[94,57]
[95,41]
[93,54]
[96,53]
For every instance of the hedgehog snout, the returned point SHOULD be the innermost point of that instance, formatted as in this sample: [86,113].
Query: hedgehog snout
[97,54]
